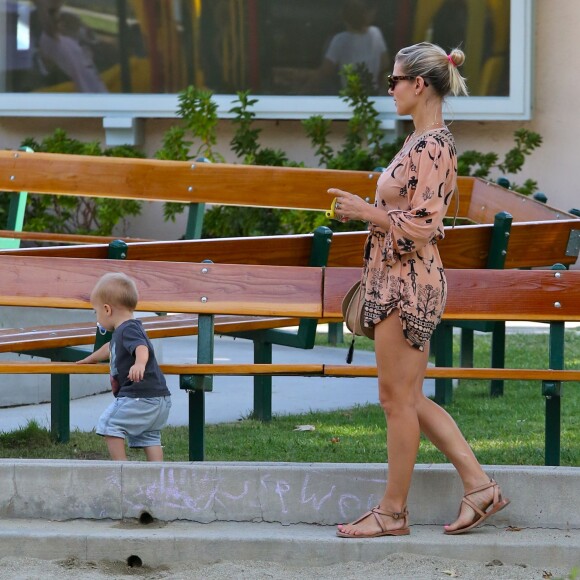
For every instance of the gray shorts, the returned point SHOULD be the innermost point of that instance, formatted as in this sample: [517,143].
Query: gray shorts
[138,420]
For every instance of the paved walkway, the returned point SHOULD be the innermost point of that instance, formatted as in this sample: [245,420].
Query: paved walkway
[232,397]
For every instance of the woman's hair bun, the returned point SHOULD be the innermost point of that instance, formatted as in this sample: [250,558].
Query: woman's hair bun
[457,56]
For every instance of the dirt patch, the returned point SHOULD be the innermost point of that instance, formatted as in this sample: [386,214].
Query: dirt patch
[396,566]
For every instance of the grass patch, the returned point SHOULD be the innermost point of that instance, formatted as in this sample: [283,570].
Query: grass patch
[508,430]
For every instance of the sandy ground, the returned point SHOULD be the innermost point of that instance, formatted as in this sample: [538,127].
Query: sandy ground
[399,566]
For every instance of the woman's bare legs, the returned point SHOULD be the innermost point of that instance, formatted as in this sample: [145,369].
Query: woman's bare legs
[400,367]
[440,428]
[401,370]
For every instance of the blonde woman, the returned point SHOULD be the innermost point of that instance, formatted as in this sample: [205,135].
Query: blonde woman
[406,290]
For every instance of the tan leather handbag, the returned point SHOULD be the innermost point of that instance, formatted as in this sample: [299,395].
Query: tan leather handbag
[352,312]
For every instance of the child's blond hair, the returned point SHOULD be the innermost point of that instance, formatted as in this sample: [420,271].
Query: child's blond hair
[116,289]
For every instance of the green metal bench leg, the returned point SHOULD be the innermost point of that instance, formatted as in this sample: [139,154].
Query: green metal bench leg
[443,341]
[552,390]
[335,333]
[497,357]
[197,387]
[194,221]
[197,425]
[60,408]
[552,449]
[263,384]
[466,352]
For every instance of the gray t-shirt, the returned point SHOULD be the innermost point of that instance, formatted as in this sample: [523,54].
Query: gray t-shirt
[126,338]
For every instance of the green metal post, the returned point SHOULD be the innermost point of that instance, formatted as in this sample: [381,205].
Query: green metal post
[496,260]
[443,342]
[263,383]
[197,387]
[497,255]
[194,221]
[16,213]
[466,348]
[552,390]
[196,211]
[15,222]
[335,333]
[60,408]
[304,338]
[497,357]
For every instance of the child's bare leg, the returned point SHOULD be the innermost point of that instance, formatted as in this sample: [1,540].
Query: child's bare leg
[154,453]
[116,446]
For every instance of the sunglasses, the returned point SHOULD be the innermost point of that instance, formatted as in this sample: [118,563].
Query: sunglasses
[393,80]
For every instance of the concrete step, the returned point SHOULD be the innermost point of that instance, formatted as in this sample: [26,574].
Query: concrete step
[295,545]
[279,512]
[287,493]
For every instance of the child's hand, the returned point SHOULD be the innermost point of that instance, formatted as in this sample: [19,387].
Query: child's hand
[136,372]
[97,356]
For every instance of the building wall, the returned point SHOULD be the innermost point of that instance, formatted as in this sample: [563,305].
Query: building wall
[556,88]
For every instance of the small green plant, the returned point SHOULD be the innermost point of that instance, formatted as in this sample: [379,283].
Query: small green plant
[364,147]
[245,142]
[479,164]
[198,111]
[227,221]
[71,214]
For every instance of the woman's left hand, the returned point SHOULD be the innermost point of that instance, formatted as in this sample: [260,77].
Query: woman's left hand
[349,206]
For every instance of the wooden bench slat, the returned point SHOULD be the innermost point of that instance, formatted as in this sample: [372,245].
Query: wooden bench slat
[251,369]
[63,238]
[179,287]
[463,373]
[525,250]
[536,295]
[178,181]
[233,369]
[173,325]
[465,189]
[487,199]
[465,247]
[528,295]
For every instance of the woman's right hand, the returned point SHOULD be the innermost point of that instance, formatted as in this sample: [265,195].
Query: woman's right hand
[349,206]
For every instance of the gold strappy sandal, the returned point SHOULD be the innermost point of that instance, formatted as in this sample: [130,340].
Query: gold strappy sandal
[496,505]
[379,516]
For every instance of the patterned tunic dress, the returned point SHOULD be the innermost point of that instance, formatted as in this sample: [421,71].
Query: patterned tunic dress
[403,269]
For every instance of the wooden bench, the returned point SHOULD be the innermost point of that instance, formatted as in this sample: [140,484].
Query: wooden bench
[521,244]
[498,245]
[61,342]
[545,235]
[250,290]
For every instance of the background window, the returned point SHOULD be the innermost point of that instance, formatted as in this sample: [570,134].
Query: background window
[274,48]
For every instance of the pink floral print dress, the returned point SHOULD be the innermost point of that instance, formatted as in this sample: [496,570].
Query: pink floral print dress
[403,269]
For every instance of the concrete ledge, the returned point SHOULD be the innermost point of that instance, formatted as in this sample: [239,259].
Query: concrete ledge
[297,545]
[324,494]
